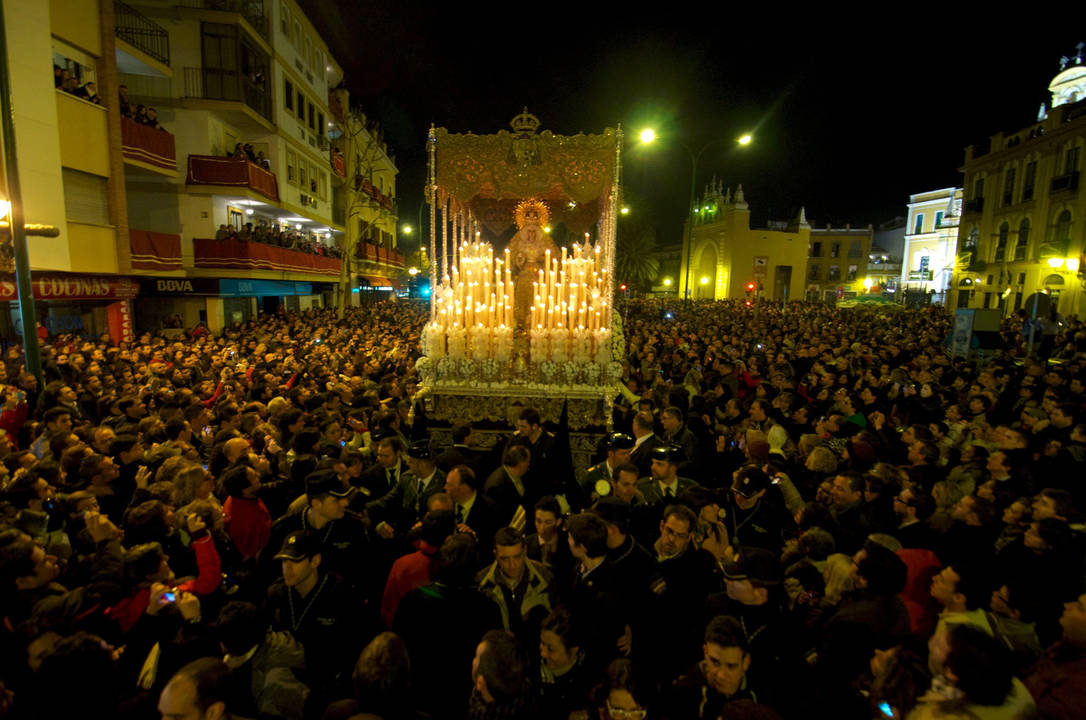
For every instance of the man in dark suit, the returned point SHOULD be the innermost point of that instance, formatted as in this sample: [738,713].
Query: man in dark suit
[619,446]
[645,441]
[507,487]
[475,513]
[396,512]
[665,485]
[385,475]
[461,452]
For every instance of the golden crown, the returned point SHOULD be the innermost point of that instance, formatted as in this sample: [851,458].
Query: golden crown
[525,122]
[534,206]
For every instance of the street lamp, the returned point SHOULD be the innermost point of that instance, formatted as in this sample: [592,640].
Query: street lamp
[406,230]
[625,210]
[648,136]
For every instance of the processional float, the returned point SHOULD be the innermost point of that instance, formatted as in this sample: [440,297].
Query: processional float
[515,318]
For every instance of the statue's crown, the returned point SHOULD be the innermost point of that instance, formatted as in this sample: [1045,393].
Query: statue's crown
[525,122]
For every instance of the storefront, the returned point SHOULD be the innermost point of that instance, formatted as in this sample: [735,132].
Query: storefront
[172,305]
[85,305]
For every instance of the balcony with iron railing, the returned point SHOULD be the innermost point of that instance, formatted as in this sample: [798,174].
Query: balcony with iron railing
[251,10]
[1067,181]
[140,32]
[230,86]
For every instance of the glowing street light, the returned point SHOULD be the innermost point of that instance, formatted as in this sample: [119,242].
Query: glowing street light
[667,282]
[413,271]
[705,280]
[648,135]
[625,210]
[407,230]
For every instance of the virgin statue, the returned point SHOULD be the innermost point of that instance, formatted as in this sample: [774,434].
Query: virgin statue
[527,253]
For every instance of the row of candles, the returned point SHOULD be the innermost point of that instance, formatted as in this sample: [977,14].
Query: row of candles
[568,292]
[568,320]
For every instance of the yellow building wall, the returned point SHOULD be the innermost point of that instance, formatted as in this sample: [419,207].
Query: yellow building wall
[84,138]
[92,248]
[76,22]
[31,76]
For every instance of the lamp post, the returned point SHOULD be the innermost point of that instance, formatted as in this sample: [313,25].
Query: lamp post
[648,135]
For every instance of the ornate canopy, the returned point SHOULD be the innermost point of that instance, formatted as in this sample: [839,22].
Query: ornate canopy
[488,174]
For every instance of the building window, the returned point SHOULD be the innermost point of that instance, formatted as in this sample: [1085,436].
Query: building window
[834,274]
[816,249]
[938,218]
[284,20]
[288,94]
[1022,243]
[307,51]
[1008,185]
[312,117]
[1070,164]
[854,249]
[1021,278]
[301,106]
[303,176]
[235,218]
[320,124]
[835,250]
[1001,242]
[1060,237]
[814,271]
[1030,179]
[978,189]
[297,34]
[853,271]
[918,226]
[292,161]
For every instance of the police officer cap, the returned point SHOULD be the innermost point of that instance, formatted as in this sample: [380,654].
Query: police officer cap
[668,453]
[619,441]
[420,450]
[326,482]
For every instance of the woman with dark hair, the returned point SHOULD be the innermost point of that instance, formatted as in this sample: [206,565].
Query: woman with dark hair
[624,694]
[564,676]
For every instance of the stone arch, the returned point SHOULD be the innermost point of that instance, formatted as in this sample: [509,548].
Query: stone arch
[704,267]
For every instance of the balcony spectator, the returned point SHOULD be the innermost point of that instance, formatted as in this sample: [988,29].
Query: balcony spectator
[237,152]
[150,119]
[58,75]
[263,161]
[89,92]
[222,233]
[125,105]
[246,232]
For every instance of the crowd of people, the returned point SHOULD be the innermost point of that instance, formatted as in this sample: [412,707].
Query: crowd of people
[799,509]
[138,113]
[271,234]
[245,151]
[63,79]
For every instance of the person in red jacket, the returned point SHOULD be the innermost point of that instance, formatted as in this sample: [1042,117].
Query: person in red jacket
[147,565]
[247,519]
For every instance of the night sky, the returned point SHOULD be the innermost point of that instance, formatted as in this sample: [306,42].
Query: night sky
[849,117]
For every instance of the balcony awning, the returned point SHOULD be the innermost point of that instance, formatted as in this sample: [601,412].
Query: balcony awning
[376,281]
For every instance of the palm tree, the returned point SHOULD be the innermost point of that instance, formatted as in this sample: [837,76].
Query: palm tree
[634,261]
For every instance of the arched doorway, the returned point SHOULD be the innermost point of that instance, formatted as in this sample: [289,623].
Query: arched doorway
[703,277]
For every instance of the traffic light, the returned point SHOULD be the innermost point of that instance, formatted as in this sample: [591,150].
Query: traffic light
[622,287]
[750,286]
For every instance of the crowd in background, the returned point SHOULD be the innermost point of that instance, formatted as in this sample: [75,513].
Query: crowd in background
[270,234]
[801,509]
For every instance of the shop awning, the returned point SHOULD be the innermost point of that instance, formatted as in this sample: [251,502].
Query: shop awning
[376,281]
